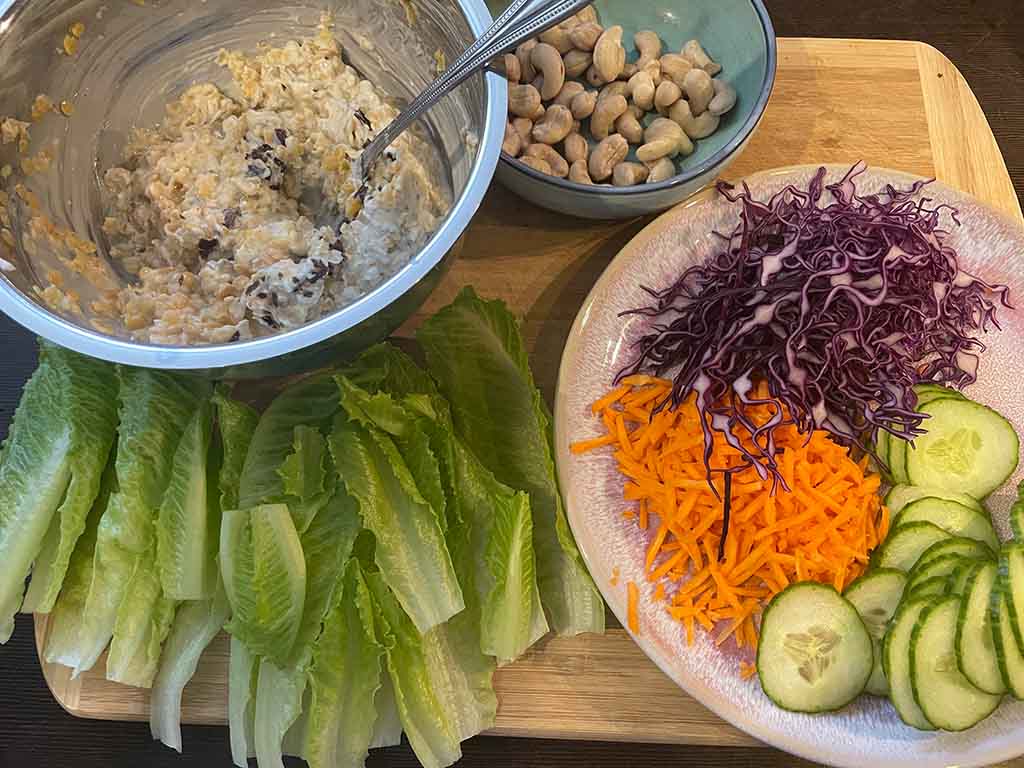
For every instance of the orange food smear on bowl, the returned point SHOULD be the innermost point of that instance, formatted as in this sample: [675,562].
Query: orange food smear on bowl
[822,529]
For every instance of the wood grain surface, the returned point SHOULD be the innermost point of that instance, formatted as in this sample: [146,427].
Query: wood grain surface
[544,268]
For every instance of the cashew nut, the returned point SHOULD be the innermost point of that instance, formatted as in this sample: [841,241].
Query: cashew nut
[653,68]
[661,169]
[523,100]
[605,113]
[587,15]
[557,37]
[628,70]
[526,70]
[606,155]
[548,61]
[667,94]
[699,127]
[568,93]
[649,45]
[724,98]
[641,88]
[524,127]
[618,87]
[578,172]
[537,164]
[663,138]
[609,55]
[583,104]
[576,148]
[698,89]
[674,67]
[629,174]
[628,126]
[592,77]
[694,52]
[576,62]
[508,65]
[554,126]
[549,155]
[584,36]
[513,144]
[576,126]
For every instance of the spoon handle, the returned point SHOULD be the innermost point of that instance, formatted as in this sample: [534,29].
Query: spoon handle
[510,29]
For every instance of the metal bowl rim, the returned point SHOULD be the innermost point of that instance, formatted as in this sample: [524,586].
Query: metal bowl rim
[40,320]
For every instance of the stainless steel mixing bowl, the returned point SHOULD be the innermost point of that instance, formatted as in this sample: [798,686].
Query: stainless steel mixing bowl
[134,57]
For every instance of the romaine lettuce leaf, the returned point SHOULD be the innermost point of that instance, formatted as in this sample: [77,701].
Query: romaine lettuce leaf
[344,680]
[195,625]
[476,353]
[184,534]
[411,552]
[264,572]
[65,626]
[236,423]
[326,546]
[380,410]
[243,677]
[501,550]
[50,470]
[303,472]
[426,719]
[387,729]
[312,402]
[496,522]
[155,409]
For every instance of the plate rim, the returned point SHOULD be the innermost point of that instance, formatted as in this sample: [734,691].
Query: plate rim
[722,706]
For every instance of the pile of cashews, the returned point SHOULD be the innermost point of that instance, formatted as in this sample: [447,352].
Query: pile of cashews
[549,100]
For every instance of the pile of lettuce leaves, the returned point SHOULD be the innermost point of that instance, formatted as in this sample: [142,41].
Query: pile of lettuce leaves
[376,541]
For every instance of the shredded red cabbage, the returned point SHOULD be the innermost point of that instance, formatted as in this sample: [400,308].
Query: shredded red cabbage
[841,306]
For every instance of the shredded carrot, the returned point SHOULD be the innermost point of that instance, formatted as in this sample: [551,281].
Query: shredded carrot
[633,597]
[821,527]
[747,670]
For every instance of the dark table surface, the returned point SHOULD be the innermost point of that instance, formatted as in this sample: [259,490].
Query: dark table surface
[984,38]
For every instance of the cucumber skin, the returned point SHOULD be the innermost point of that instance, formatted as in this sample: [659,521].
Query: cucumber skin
[927,502]
[908,604]
[1017,514]
[804,585]
[997,640]
[978,549]
[881,551]
[1008,551]
[961,620]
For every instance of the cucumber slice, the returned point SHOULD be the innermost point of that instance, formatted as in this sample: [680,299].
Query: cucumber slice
[1011,571]
[940,586]
[932,388]
[937,567]
[1011,661]
[882,446]
[906,544]
[946,697]
[931,396]
[814,653]
[962,575]
[968,448]
[955,518]
[956,545]
[896,663]
[900,496]
[975,646]
[1017,514]
[876,596]
[898,460]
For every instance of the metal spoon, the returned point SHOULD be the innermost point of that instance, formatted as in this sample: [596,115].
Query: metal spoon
[513,27]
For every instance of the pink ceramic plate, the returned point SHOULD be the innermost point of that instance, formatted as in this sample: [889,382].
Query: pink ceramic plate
[868,732]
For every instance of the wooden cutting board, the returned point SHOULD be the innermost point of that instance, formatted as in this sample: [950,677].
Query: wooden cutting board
[896,104]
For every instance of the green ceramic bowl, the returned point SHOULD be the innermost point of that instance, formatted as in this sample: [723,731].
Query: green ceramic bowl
[738,34]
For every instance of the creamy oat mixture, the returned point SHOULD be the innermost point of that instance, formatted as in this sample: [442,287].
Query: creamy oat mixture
[225,213]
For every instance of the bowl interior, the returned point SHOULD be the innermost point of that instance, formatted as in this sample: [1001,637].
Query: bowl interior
[732,33]
[132,59]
